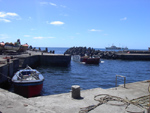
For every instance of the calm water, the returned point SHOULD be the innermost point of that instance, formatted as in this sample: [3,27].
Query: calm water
[60,79]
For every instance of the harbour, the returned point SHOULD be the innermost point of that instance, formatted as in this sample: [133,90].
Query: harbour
[93,80]
[11,63]
[74,56]
[87,76]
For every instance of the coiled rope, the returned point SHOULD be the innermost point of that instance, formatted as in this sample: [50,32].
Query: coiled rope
[105,98]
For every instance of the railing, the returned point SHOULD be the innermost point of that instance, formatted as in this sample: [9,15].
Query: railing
[122,77]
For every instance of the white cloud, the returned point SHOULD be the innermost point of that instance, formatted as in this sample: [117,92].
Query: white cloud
[49,37]
[105,34]
[63,14]
[125,18]
[3,14]
[43,3]
[11,14]
[32,29]
[72,37]
[52,4]
[29,18]
[56,23]
[96,30]
[5,17]
[63,6]
[5,20]
[42,37]
[38,37]
[27,36]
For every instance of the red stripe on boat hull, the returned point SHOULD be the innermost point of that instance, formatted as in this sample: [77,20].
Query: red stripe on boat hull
[90,60]
[28,91]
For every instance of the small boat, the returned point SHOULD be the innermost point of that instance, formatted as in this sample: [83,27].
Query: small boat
[76,58]
[90,60]
[28,82]
[23,48]
[11,46]
[86,59]
[2,44]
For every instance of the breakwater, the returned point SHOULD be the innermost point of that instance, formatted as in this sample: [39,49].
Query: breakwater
[10,63]
[124,55]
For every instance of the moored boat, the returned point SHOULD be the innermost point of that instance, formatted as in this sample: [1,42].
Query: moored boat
[28,82]
[23,48]
[86,59]
[11,46]
[90,60]
[2,44]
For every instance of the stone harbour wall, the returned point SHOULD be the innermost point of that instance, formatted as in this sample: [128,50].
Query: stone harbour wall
[8,69]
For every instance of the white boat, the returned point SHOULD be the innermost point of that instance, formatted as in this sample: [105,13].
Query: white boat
[11,46]
[86,59]
[28,82]
[113,47]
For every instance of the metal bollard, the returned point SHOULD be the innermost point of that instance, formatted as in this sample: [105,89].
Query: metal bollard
[76,91]
[11,57]
[8,61]
[148,110]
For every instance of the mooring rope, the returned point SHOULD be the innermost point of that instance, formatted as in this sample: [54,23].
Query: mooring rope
[5,76]
[105,98]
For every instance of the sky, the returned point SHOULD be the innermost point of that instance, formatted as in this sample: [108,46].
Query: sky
[69,23]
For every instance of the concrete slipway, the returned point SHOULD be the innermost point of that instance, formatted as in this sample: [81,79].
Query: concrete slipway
[63,103]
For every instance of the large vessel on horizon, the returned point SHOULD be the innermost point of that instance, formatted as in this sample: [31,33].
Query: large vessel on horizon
[113,47]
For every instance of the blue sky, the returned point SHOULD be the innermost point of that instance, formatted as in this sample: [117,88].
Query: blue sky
[68,23]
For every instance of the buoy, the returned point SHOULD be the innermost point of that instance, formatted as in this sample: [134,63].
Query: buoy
[75,91]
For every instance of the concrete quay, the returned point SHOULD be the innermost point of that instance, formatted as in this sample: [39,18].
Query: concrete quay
[133,56]
[64,103]
[125,55]
[11,63]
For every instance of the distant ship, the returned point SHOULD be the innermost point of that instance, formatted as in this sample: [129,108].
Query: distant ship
[116,48]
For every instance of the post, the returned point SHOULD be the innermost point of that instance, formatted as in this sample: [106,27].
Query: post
[116,80]
[8,61]
[122,77]
[76,92]
[149,98]
[124,82]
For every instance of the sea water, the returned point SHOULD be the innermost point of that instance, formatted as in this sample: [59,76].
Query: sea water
[60,79]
